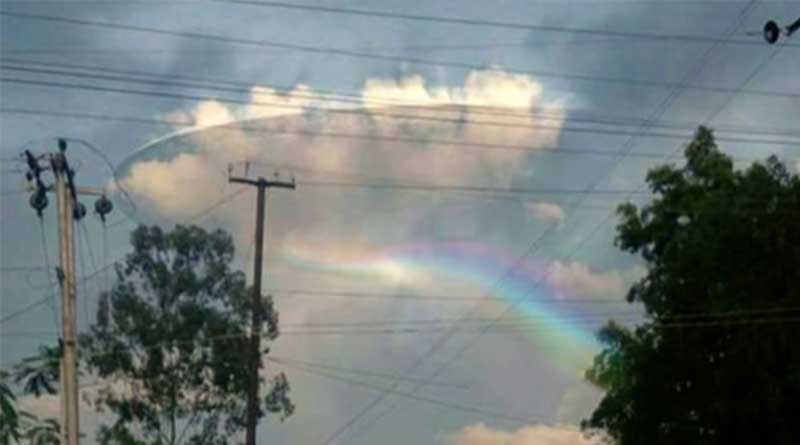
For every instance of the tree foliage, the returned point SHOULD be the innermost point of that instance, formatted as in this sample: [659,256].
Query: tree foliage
[717,362]
[169,342]
[18,426]
[39,374]
[10,428]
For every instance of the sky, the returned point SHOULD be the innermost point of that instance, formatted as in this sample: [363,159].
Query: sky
[444,171]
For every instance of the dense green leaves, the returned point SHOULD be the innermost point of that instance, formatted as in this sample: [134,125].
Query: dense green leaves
[170,340]
[717,362]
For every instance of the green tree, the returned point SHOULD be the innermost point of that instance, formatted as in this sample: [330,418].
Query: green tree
[717,361]
[39,374]
[169,340]
[10,421]
[16,424]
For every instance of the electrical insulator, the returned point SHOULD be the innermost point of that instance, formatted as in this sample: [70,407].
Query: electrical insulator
[771,32]
[79,211]
[103,206]
[39,201]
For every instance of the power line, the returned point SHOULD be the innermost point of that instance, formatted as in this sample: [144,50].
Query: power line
[357,112]
[409,395]
[93,263]
[421,187]
[51,285]
[465,322]
[361,372]
[25,309]
[683,38]
[441,341]
[523,44]
[350,136]
[580,244]
[363,55]
[584,240]
[424,297]
[334,96]
[522,321]
[480,330]
[23,268]
[511,306]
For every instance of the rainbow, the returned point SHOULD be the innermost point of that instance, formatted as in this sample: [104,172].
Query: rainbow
[554,327]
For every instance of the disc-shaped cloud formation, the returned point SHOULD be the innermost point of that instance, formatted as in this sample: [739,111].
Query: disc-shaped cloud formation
[483,133]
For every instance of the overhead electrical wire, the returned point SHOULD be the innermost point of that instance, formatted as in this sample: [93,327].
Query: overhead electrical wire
[339,97]
[378,113]
[462,188]
[362,55]
[484,23]
[52,285]
[521,44]
[234,126]
[25,309]
[442,340]
[512,305]
[23,268]
[93,262]
[382,112]
[658,112]
[409,395]
[746,10]
[497,329]
[361,372]
[438,298]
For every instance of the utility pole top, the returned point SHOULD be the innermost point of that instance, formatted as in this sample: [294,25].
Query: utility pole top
[263,183]
[254,352]
[69,211]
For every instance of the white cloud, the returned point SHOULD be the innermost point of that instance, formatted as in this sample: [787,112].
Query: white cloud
[545,211]
[480,434]
[575,277]
[179,177]
[492,87]
[185,183]
[797,166]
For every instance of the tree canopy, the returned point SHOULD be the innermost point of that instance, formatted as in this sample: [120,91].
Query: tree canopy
[717,360]
[169,342]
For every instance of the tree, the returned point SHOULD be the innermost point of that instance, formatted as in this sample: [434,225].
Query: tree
[10,428]
[39,374]
[16,424]
[169,340]
[717,361]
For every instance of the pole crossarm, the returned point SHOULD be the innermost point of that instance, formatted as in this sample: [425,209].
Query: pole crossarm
[262,183]
[69,210]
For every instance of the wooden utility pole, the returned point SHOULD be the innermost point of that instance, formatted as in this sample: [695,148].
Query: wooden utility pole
[69,210]
[261,185]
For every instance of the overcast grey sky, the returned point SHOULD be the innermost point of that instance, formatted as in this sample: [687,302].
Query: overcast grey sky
[572,99]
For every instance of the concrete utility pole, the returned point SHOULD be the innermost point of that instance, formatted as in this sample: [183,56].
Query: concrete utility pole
[65,202]
[257,315]
[69,210]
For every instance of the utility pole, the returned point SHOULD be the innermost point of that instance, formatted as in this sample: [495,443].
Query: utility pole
[65,203]
[261,185]
[69,210]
